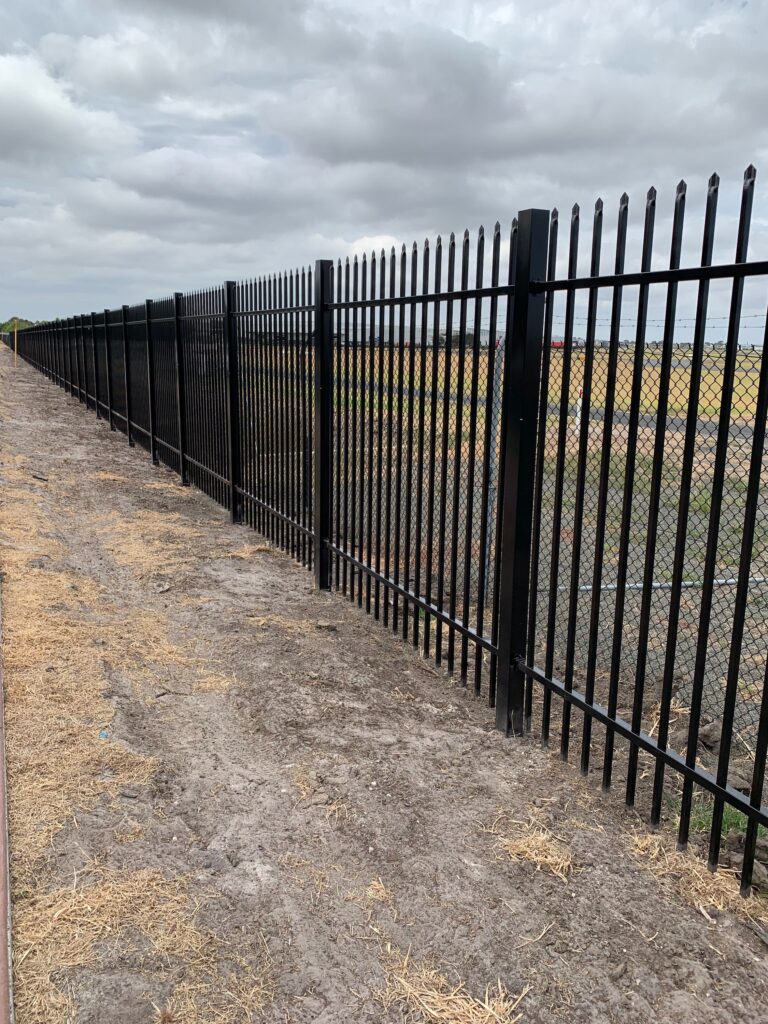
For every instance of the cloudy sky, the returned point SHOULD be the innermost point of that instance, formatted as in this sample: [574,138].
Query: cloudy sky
[147,147]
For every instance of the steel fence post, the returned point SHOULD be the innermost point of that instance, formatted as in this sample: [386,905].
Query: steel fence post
[520,391]
[233,404]
[181,395]
[127,375]
[108,359]
[323,344]
[150,381]
[95,357]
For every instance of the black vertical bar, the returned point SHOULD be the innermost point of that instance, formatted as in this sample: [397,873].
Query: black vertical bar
[290,409]
[417,587]
[323,421]
[519,411]
[489,450]
[108,359]
[469,554]
[69,329]
[181,391]
[602,497]
[274,530]
[748,536]
[655,492]
[399,450]
[81,391]
[625,535]
[390,397]
[445,437]
[127,375]
[310,410]
[355,385]
[66,348]
[347,430]
[713,530]
[409,442]
[494,659]
[758,774]
[150,379]
[380,433]
[458,458]
[581,471]
[433,398]
[258,383]
[94,352]
[541,441]
[234,464]
[364,384]
[684,500]
[371,408]
[281,420]
[753,490]
[336,442]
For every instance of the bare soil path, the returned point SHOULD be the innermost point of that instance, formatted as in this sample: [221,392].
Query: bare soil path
[233,798]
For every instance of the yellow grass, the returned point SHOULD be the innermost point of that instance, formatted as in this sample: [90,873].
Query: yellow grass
[424,994]
[64,637]
[531,842]
[61,930]
[689,875]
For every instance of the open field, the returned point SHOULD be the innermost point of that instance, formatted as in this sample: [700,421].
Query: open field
[233,800]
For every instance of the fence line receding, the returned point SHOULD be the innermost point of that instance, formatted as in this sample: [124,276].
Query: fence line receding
[550,481]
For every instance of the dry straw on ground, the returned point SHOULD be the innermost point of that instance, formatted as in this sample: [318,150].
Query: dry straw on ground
[153,544]
[532,842]
[195,976]
[690,876]
[424,994]
[65,640]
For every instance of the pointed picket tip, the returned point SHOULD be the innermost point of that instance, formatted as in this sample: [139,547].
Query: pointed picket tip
[554,216]
[426,243]
[415,246]
[497,228]
[624,200]
[439,240]
[575,210]
[394,251]
[682,187]
[466,234]
[714,180]
[453,237]
[750,174]
[481,232]
[651,196]
[598,205]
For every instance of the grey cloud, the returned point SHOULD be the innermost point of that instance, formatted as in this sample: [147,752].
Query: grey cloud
[40,121]
[149,146]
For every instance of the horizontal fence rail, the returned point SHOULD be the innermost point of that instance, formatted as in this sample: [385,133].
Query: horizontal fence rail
[548,479]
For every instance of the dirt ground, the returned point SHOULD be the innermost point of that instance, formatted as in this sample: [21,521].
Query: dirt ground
[233,798]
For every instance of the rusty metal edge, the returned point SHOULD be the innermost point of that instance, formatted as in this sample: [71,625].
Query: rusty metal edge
[6,947]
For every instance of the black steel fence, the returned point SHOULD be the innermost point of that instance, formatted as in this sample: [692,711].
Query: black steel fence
[546,509]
